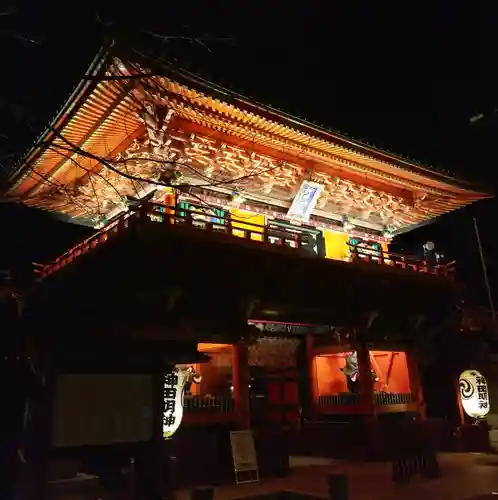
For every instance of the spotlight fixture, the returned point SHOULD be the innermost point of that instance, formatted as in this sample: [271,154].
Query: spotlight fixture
[237,197]
[429,246]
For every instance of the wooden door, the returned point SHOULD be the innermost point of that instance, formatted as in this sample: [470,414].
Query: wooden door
[283,397]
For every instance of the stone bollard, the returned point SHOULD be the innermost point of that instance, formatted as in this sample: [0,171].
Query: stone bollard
[338,487]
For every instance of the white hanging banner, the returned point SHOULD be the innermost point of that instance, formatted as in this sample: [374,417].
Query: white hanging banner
[474,394]
[174,389]
[305,201]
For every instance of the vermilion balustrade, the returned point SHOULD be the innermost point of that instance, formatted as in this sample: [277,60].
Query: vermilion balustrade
[255,233]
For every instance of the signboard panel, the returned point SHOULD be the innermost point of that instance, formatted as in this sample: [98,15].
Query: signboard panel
[102,409]
[244,456]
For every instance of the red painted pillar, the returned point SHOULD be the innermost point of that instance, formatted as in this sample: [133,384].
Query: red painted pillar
[241,380]
[416,384]
[365,380]
[312,377]
[366,393]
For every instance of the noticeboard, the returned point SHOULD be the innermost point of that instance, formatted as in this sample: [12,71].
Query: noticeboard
[245,461]
[102,409]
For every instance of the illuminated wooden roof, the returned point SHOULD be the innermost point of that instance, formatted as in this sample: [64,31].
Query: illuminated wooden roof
[144,126]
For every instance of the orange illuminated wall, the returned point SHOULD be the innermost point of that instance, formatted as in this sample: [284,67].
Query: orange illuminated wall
[336,245]
[329,378]
[217,373]
[241,219]
[390,367]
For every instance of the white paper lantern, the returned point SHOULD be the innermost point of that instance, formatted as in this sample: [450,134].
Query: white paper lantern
[474,394]
[174,389]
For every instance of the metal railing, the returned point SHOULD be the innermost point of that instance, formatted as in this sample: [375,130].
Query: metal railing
[224,224]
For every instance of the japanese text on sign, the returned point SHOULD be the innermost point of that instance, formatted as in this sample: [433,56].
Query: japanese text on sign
[174,387]
[474,394]
[482,392]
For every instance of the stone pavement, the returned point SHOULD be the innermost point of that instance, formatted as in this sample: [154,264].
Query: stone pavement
[463,477]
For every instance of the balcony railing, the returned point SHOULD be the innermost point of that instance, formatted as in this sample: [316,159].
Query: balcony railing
[255,233]
[215,404]
[380,398]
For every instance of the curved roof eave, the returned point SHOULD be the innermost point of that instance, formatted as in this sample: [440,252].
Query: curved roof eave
[167,69]
[70,107]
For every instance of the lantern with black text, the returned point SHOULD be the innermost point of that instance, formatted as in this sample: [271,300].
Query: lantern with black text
[474,394]
[174,389]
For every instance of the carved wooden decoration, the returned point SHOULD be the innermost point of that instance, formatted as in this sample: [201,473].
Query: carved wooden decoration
[206,162]
[274,352]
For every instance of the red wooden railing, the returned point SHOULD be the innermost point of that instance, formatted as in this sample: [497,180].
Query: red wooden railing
[114,228]
[255,233]
[397,260]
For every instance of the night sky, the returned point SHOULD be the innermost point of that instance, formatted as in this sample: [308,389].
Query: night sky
[404,79]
